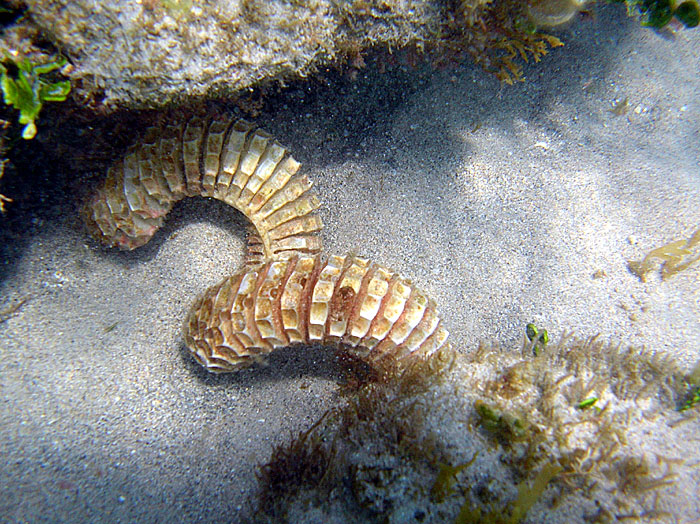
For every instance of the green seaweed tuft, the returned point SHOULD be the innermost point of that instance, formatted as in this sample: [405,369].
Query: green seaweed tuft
[504,426]
[587,403]
[692,398]
[27,91]
[654,13]
[539,338]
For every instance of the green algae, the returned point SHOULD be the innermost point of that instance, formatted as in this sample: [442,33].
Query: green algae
[27,89]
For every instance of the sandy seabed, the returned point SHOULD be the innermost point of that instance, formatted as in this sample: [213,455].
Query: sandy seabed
[500,202]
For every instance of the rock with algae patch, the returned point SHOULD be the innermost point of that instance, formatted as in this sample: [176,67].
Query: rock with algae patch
[150,52]
[416,449]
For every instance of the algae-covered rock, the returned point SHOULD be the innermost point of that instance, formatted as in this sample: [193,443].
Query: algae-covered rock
[147,53]
[150,52]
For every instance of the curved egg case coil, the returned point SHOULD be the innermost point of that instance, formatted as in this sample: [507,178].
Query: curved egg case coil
[286,293]
[219,157]
[343,301]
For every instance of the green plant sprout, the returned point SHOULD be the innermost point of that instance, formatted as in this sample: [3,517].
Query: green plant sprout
[538,338]
[692,399]
[27,92]
[502,425]
[587,403]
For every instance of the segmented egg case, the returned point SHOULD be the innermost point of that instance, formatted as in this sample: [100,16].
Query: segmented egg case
[286,294]
[343,301]
[219,157]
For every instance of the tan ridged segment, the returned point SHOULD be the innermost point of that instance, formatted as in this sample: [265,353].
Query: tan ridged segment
[300,207]
[266,166]
[321,297]
[212,153]
[113,192]
[290,310]
[267,315]
[304,300]
[243,302]
[377,289]
[231,155]
[304,244]
[191,152]
[296,226]
[434,342]
[410,317]
[246,167]
[344,297]
[171,160]
[255,250]
[278,180]
[389,312]
[103,217]
[137,197]
[423,330]
[151,173]
[291,191]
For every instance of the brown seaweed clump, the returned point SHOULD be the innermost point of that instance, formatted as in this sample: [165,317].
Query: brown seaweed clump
[500,36]
[359,461]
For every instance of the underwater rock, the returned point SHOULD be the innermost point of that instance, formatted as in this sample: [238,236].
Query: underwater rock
[154,52]
[151,52]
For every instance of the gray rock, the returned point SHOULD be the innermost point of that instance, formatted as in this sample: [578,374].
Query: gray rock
[148,53]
